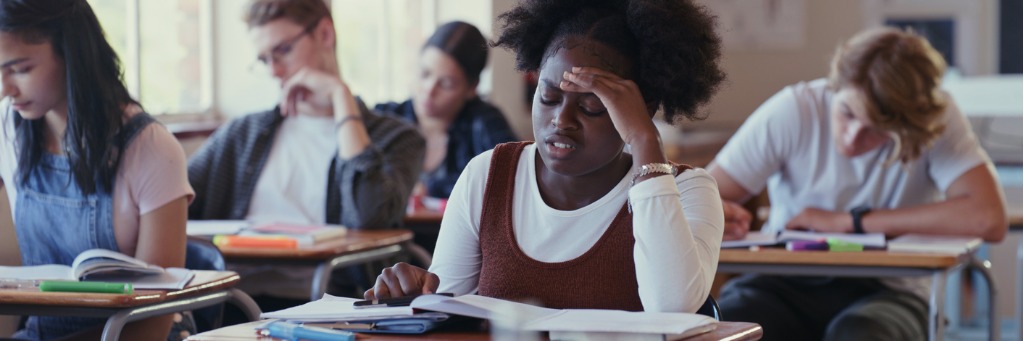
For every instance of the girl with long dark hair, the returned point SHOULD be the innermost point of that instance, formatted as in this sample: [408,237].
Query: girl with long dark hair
[84,166]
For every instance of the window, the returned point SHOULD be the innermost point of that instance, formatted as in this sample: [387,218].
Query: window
[963,31]
[167,52]
[164,49]
[378,42]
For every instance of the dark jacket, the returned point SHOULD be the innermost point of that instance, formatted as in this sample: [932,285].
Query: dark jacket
[477,128]
[370,190]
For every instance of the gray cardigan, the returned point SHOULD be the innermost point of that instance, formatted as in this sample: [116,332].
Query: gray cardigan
[369,190]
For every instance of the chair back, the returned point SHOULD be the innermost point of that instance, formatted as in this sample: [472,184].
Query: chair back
[201,254]
[710,308]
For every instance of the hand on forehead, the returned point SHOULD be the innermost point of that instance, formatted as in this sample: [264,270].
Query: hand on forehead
[575,51]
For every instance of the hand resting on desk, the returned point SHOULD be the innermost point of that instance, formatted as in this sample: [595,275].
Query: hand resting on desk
[819,220]
[737,220]
[403,279]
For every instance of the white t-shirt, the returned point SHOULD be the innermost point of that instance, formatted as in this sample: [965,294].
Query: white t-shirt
[787,145]
[152,173]
[677,224]
[292,188]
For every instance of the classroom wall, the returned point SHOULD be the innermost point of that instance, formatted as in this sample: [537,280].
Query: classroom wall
[755,75]
[508,86]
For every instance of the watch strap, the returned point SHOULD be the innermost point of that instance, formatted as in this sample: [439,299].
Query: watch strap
[858,214]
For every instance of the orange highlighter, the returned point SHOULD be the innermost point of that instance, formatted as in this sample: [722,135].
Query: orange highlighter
[270,242]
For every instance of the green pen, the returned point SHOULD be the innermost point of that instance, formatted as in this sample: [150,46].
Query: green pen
[98,287]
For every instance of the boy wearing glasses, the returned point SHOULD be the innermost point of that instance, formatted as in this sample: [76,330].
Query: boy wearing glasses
[320,156]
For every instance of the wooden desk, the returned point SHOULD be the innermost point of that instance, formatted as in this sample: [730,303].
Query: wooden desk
[733,331]
[357,247]
[424,216]
[865,264]
[206,289]
[425,225]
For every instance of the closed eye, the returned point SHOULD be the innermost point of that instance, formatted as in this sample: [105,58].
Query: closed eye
[546,101]
[592,113]
[592,106]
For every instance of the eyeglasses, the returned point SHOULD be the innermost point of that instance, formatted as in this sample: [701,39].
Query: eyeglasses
[282,49]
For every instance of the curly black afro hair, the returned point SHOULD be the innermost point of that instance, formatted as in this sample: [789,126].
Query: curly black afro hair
[672,44]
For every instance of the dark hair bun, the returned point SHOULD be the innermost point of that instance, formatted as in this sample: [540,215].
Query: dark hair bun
[464,43]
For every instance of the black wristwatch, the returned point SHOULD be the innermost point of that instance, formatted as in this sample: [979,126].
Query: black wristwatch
[858,213]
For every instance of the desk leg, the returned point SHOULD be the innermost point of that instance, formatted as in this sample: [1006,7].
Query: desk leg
[323,270]
[985,269]
[115,323]
[936,325]
[1020,291]
[419,253]
[320,277]
[244,302]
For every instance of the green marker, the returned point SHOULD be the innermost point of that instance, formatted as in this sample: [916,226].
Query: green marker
[98,287]
[837,245]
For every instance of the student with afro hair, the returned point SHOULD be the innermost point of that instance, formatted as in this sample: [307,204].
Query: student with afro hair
[573,220]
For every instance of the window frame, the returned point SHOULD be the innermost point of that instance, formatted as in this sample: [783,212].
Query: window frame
[132,64]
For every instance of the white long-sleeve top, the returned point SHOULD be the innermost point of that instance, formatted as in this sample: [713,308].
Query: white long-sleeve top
[677,226]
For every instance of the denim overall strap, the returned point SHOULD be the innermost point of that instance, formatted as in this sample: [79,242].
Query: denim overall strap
[55,221]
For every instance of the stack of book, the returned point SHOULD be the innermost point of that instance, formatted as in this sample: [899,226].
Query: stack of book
[235,233]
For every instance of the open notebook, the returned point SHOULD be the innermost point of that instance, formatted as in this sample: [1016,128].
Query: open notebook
[104,266]
[869,240]
[565,322]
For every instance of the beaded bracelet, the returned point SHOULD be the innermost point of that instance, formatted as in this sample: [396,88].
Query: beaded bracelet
[341,122]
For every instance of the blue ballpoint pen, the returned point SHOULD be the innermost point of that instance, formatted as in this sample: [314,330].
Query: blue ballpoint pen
[295,332]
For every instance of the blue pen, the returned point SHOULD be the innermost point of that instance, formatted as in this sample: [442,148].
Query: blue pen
[295,332]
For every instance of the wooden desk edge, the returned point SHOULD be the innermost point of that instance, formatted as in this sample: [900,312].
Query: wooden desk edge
[205,281]
[424,217]
[865,258]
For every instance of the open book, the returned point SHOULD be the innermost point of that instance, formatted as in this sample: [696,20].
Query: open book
[934,244]
[565,322]
[869,240]
[104,266]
